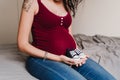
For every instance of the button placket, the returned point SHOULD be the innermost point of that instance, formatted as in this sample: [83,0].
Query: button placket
[61,23]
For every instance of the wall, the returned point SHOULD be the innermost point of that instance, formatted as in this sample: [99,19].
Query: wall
[98,17]
[8,21]
[9,17]
[93,17]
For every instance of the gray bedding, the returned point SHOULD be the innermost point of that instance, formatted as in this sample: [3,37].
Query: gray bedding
[12,64]
[104,50]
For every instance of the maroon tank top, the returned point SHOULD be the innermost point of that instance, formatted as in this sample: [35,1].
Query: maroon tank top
[50,31]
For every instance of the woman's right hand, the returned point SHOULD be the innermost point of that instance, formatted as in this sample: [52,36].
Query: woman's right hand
[67,60]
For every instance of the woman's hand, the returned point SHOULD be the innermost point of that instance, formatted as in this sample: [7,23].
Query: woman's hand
[67,60]
[81,61]
[71,61]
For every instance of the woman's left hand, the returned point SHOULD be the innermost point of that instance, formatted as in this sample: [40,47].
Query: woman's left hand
[81,61]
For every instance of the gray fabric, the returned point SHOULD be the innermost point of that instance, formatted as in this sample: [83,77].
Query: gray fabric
[12,64]
[104,50]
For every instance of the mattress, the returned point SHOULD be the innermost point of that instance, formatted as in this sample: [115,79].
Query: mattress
[12,64]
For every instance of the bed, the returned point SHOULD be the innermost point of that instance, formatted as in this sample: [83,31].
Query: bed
[103,49]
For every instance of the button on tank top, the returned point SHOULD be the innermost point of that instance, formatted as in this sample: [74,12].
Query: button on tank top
[50,31]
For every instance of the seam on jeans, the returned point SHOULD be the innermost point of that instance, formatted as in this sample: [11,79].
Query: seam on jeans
[85,74]
[89,77]
[50,69]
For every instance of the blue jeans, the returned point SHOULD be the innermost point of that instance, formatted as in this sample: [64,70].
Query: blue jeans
[52,70]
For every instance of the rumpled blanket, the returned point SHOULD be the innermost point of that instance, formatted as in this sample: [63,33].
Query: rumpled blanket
[103,49]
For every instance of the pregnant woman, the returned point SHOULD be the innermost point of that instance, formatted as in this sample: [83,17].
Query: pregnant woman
[50,24]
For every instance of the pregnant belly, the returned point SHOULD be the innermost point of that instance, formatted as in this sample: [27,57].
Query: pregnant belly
[61,40]
[55,41]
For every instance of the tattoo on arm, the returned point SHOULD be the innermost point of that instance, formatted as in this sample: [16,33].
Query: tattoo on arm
[27,4]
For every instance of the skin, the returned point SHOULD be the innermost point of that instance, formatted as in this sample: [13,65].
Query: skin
[29,9]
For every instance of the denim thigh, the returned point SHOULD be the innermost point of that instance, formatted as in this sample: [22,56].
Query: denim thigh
[93,71]
[51,70]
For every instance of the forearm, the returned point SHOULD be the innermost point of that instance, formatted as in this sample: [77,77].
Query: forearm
[33,51]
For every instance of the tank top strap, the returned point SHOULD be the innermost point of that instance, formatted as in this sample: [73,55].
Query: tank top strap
[39,4]
[39,1]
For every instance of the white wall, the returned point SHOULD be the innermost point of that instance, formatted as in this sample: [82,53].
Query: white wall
[9,17]
[93,17]
[98,17]
[19,6]
[8,21]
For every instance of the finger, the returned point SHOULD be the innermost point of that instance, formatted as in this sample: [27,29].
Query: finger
[87,56]
[69,60]
[84,58]
[77,65]
[83,62]
[70,63]
[80,64]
